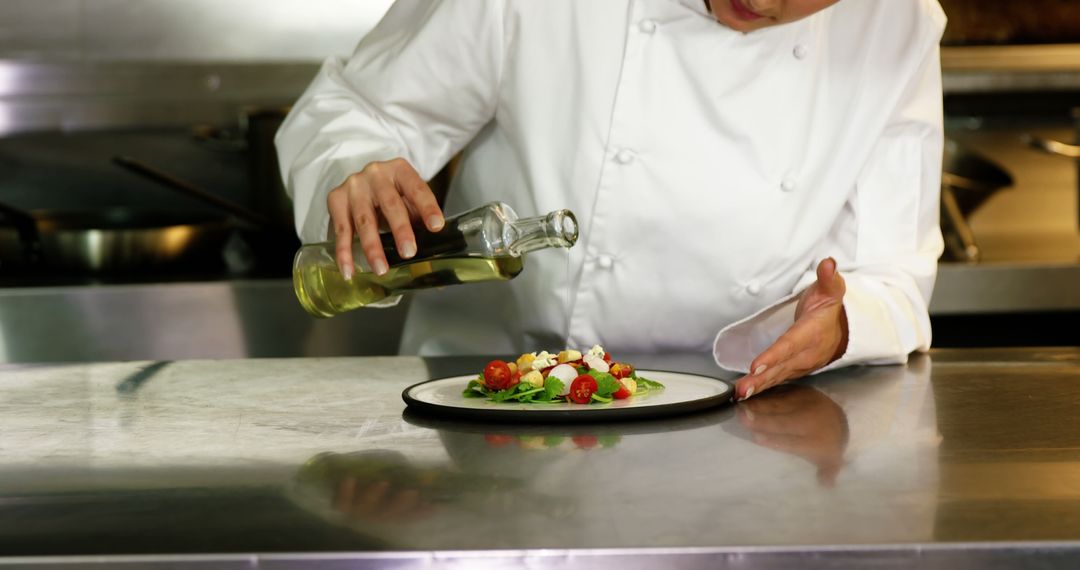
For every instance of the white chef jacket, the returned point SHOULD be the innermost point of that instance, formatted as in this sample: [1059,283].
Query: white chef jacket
[710,170]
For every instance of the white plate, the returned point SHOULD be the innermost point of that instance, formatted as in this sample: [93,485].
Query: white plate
[682,393]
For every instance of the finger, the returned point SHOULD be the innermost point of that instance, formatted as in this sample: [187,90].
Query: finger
[767,369]
[829,288]
[775,374]
[779,401]
[827,474]
[337,202]
[784,399]
[423,510]
[794,444]
[395,213]
[830,277]
[368,500]
[402,504]
[755,384]
[809,344]
[798,425]
[362,211]
[346,493]
[418,195]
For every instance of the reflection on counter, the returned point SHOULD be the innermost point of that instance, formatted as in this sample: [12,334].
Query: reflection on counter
[694,479]
[802,421]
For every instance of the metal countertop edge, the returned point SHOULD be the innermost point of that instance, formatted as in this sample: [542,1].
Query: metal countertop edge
[962,555]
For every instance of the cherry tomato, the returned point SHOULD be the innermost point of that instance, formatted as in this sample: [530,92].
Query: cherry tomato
[582,389]
[497,375]
[622,393]
[585,441]
[498,439]
[620,370]
[607,357]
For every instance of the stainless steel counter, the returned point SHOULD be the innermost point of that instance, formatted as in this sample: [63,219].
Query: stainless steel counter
[961,459]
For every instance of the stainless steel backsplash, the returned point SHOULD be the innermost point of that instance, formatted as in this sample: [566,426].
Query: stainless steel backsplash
[184,30]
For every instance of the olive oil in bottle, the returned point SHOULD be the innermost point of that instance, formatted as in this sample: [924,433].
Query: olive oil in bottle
[484,244]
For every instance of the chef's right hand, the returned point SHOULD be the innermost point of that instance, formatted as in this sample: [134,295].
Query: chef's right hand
[384,194]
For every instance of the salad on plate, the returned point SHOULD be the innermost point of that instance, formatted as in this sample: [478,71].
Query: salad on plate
[592,377]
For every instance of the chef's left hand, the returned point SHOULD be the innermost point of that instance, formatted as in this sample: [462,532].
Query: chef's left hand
[818,336]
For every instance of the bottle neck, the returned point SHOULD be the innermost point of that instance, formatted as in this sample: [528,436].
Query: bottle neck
[557,229]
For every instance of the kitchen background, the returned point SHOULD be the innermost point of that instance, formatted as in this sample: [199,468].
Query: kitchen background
[163,110]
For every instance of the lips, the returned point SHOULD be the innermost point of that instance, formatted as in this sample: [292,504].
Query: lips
[742,12]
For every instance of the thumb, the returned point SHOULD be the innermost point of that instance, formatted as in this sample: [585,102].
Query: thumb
[827,290]
[829,281]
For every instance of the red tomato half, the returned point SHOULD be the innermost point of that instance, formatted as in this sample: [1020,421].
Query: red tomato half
[585,441]
[498,439]
[497,375]
[582,389]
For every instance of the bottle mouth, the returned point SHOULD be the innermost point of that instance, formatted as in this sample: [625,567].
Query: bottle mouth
[566,225]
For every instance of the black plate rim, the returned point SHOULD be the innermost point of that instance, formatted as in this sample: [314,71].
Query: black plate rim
[566,416]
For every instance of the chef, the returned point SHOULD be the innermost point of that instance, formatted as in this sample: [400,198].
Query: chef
[756,178]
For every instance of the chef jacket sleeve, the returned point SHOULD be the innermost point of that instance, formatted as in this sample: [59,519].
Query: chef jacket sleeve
[898,242]
[419,86]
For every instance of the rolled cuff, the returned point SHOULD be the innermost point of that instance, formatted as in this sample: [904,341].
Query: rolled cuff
[872,336]
[737,344]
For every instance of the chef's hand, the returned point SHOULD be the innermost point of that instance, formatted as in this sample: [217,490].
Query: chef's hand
[818,336]
[389,194]
[802,421]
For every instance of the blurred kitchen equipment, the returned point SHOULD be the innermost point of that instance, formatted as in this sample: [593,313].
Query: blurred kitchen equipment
[1005,22]
[270,243]
[254,136]
[26,233]
[967,181]
[1059,148]
[112,240]
[1052,146]
[174,183]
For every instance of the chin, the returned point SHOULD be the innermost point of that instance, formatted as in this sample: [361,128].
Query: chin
[724,14]
[740,25]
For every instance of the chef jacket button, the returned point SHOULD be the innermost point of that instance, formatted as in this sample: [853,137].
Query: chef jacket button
[800,51]
[624,156]
[754,287]
[605,262]
[788,184]
[647,26]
